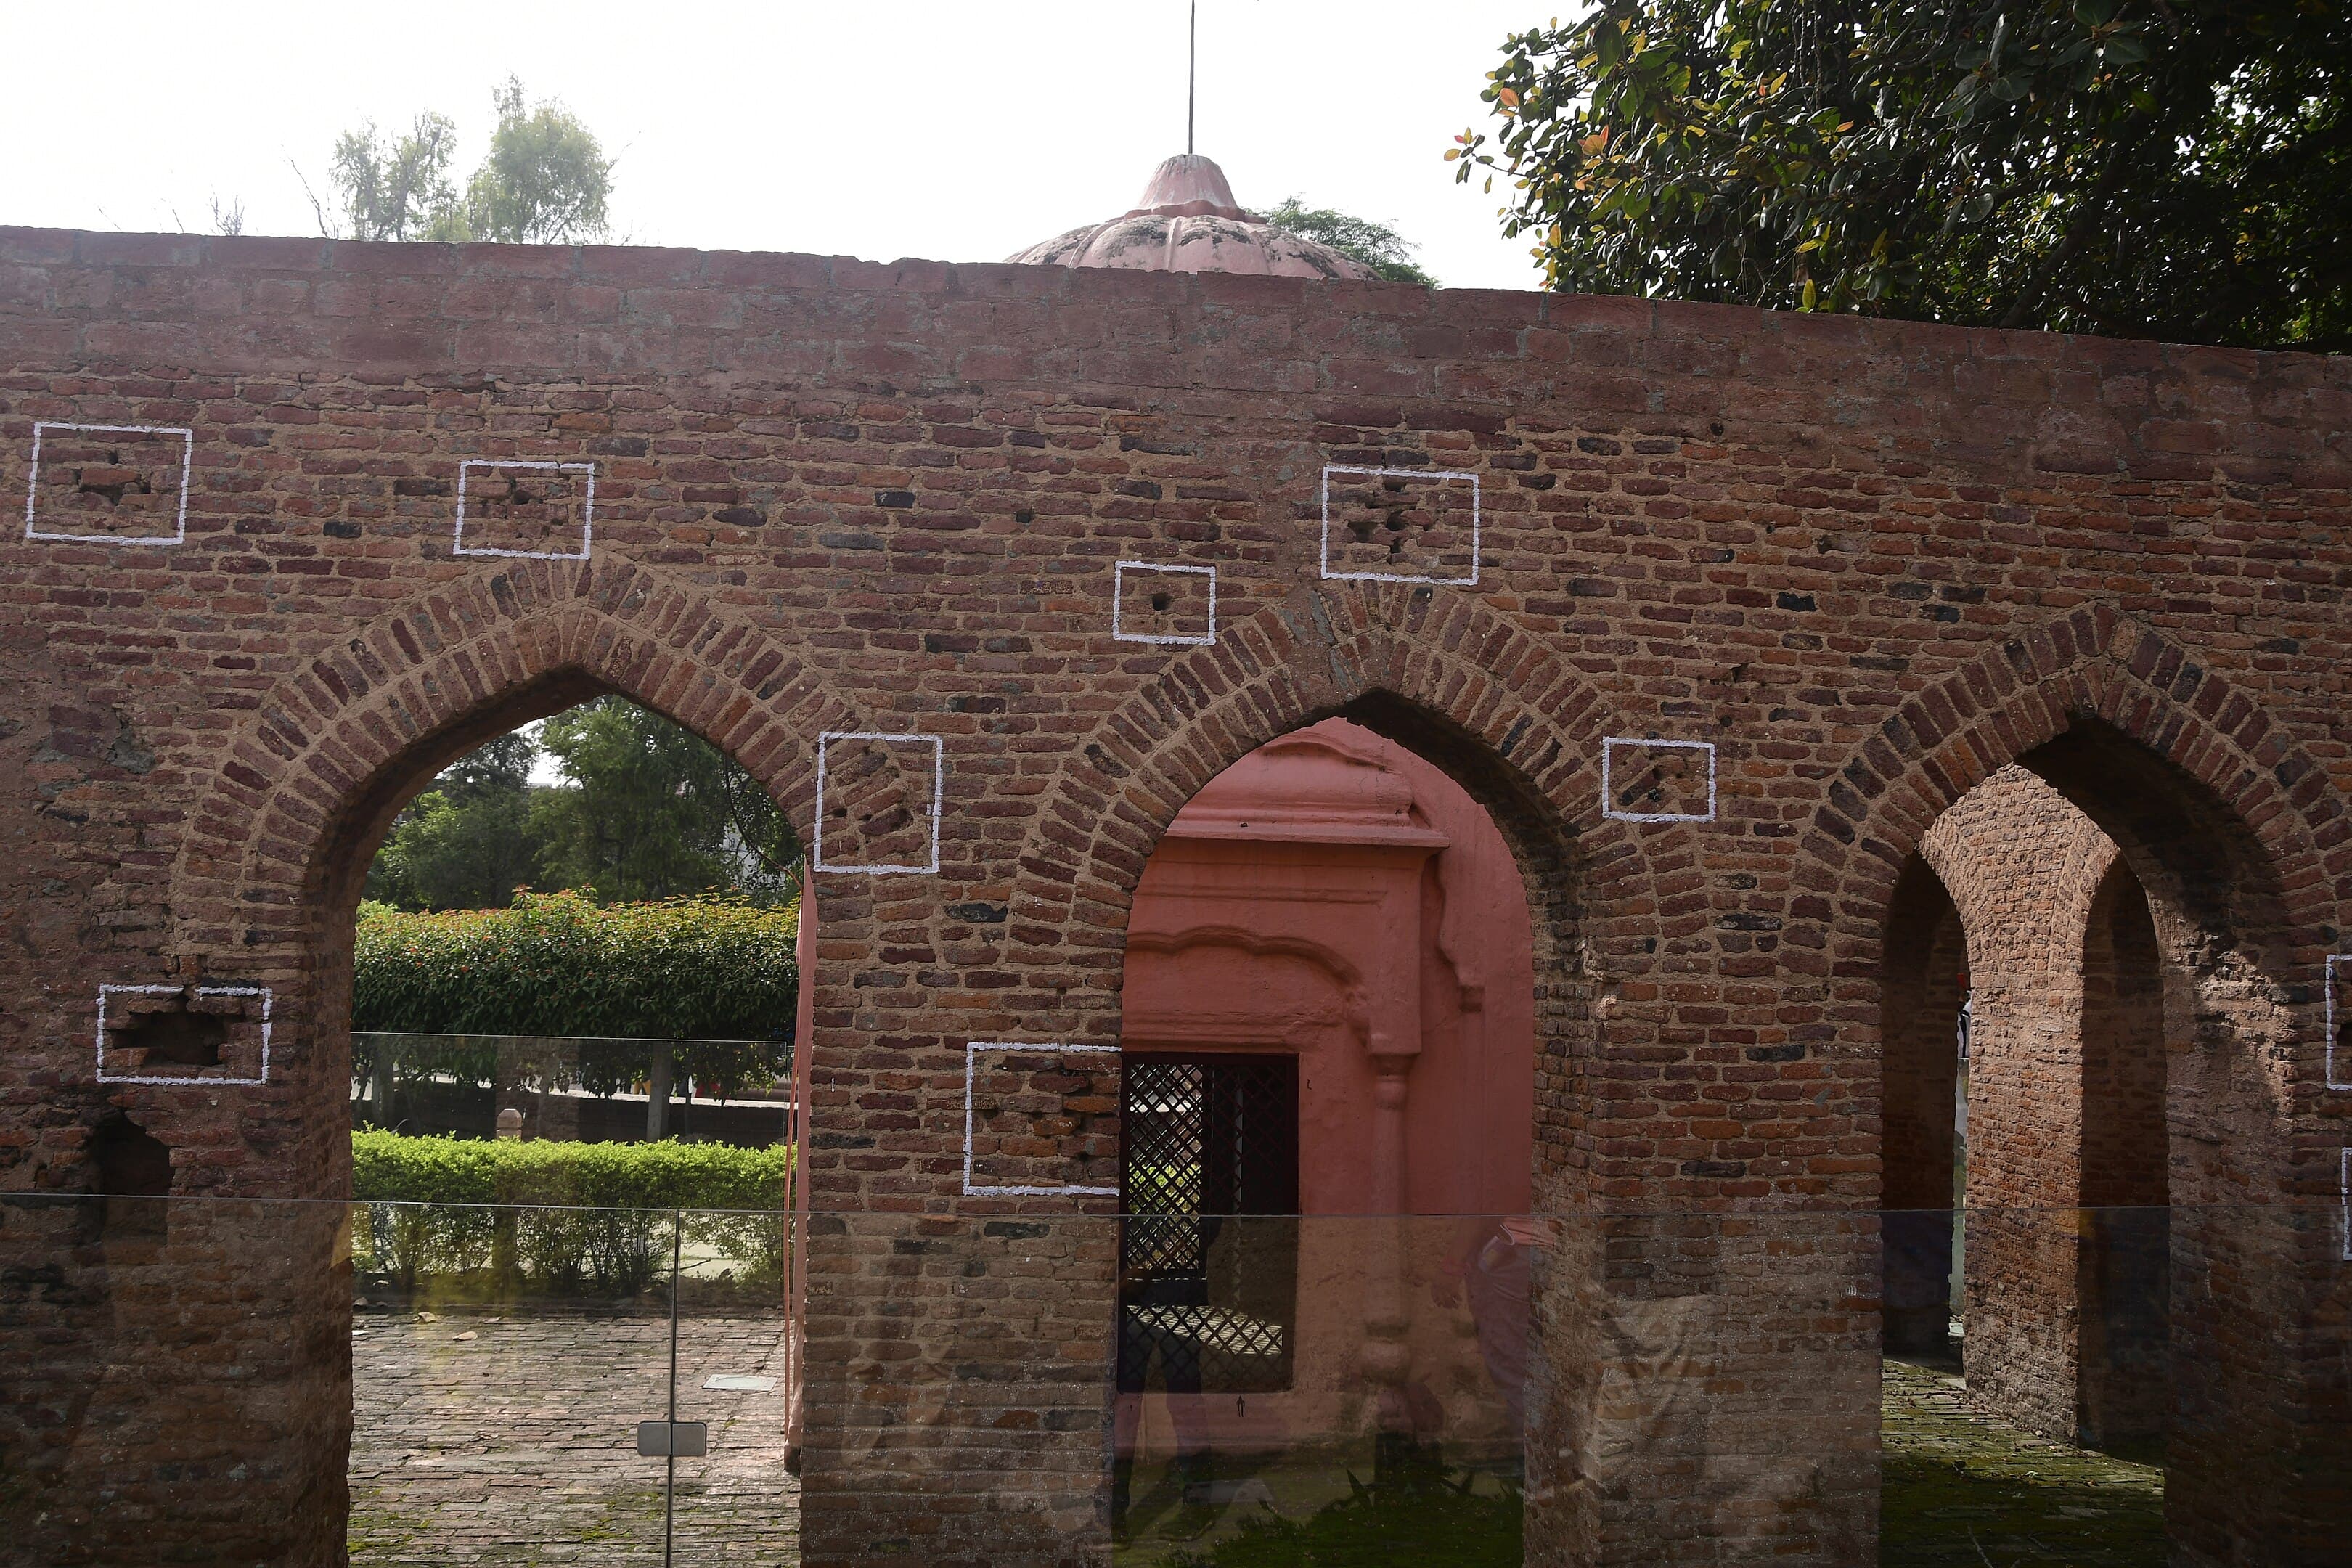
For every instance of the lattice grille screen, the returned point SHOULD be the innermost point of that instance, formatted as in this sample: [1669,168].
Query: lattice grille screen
[1209,1250]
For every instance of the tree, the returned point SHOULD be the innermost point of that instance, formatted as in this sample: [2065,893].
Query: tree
[2176,169]
[1377,246]
[467,843]
[546,179]
[399,189]
[655,811]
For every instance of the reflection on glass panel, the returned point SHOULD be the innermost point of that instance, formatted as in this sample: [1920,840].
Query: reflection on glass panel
[502,1360]
[1479,1390]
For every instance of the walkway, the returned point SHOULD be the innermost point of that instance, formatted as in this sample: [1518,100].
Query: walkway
[512,1441]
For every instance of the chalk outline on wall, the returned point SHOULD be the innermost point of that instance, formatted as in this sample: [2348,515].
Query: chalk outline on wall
[939,798]
[970,1071]
[1608,808]
[268,1001]
[1119,593]
[32,483]
[1324,539]
[458,546]
[2344,1192]
[2327,1002]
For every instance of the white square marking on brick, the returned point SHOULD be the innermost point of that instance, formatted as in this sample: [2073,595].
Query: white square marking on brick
[2339,1068]
[1441,474]
[938,793]
[1608,796]
[33,485]
[587,509]
[268,1002]
[1118,594]
[971,1059]
[2344,1192]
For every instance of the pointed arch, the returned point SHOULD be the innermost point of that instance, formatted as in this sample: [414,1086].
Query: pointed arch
[1447,676]
[2097,663]
[1441,673]
[2247,847]
[329,755]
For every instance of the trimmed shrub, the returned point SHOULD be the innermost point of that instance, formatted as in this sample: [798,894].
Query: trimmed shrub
[589,1219]
[717,972]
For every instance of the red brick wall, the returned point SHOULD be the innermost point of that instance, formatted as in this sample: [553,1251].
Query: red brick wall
[1869,562]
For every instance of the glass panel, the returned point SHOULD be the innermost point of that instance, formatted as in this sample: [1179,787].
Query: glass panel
[501,1361]
[738,1355]
[2111,1387]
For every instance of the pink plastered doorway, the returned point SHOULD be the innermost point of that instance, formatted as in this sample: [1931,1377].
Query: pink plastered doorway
[1334,898]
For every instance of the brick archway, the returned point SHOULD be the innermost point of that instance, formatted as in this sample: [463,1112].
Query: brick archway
[330,750]
[279,845]
[2240,845]
[2098,664]
[1446,677]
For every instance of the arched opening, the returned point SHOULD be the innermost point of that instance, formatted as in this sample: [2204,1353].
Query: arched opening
[1920,999]
[2124,1292]
[2129,964]
[571,1187]
[1329,1046]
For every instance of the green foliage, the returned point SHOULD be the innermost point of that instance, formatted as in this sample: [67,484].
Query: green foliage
[1422,1515]
[656,811]
[546,179]
[649,810]
[568,1218]
[715,971]
[399,188]
[2176,169]
[467,843]
[1377,246]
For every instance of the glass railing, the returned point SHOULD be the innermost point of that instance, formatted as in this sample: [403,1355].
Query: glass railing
[554,1383]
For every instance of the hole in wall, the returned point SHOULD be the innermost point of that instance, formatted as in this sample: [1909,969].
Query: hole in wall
[176,1037]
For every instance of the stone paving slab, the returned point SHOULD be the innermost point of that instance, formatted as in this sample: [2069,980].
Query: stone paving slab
[511,1440]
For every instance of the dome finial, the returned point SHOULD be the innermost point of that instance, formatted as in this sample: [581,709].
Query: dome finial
[1192,71]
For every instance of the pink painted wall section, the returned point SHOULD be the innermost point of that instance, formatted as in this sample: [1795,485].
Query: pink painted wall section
[1334,895]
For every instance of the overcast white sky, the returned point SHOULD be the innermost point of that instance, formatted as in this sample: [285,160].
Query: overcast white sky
[871,128]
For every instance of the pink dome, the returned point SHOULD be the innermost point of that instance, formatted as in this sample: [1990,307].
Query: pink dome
[1188,222]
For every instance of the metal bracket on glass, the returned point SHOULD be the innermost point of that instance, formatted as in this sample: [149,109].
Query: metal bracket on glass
[673,1439]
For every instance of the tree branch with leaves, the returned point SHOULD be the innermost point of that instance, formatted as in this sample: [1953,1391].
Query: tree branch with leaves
[545,181]
[2177,169]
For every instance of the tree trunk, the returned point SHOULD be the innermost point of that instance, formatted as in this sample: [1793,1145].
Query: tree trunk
[657,1098]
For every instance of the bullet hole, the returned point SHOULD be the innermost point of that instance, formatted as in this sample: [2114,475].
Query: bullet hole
[1714,427]
[1025,515]
[175,1037]
[112,481]
[1160,601]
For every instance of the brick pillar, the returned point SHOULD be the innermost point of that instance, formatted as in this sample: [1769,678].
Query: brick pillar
[2125,1268]
[2023,865]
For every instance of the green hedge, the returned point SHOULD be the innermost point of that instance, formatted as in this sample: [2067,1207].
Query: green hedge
[564,1218]
[716,970]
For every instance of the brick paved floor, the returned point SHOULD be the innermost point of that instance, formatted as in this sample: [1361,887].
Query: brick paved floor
[511,1440]
[1964,1491]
